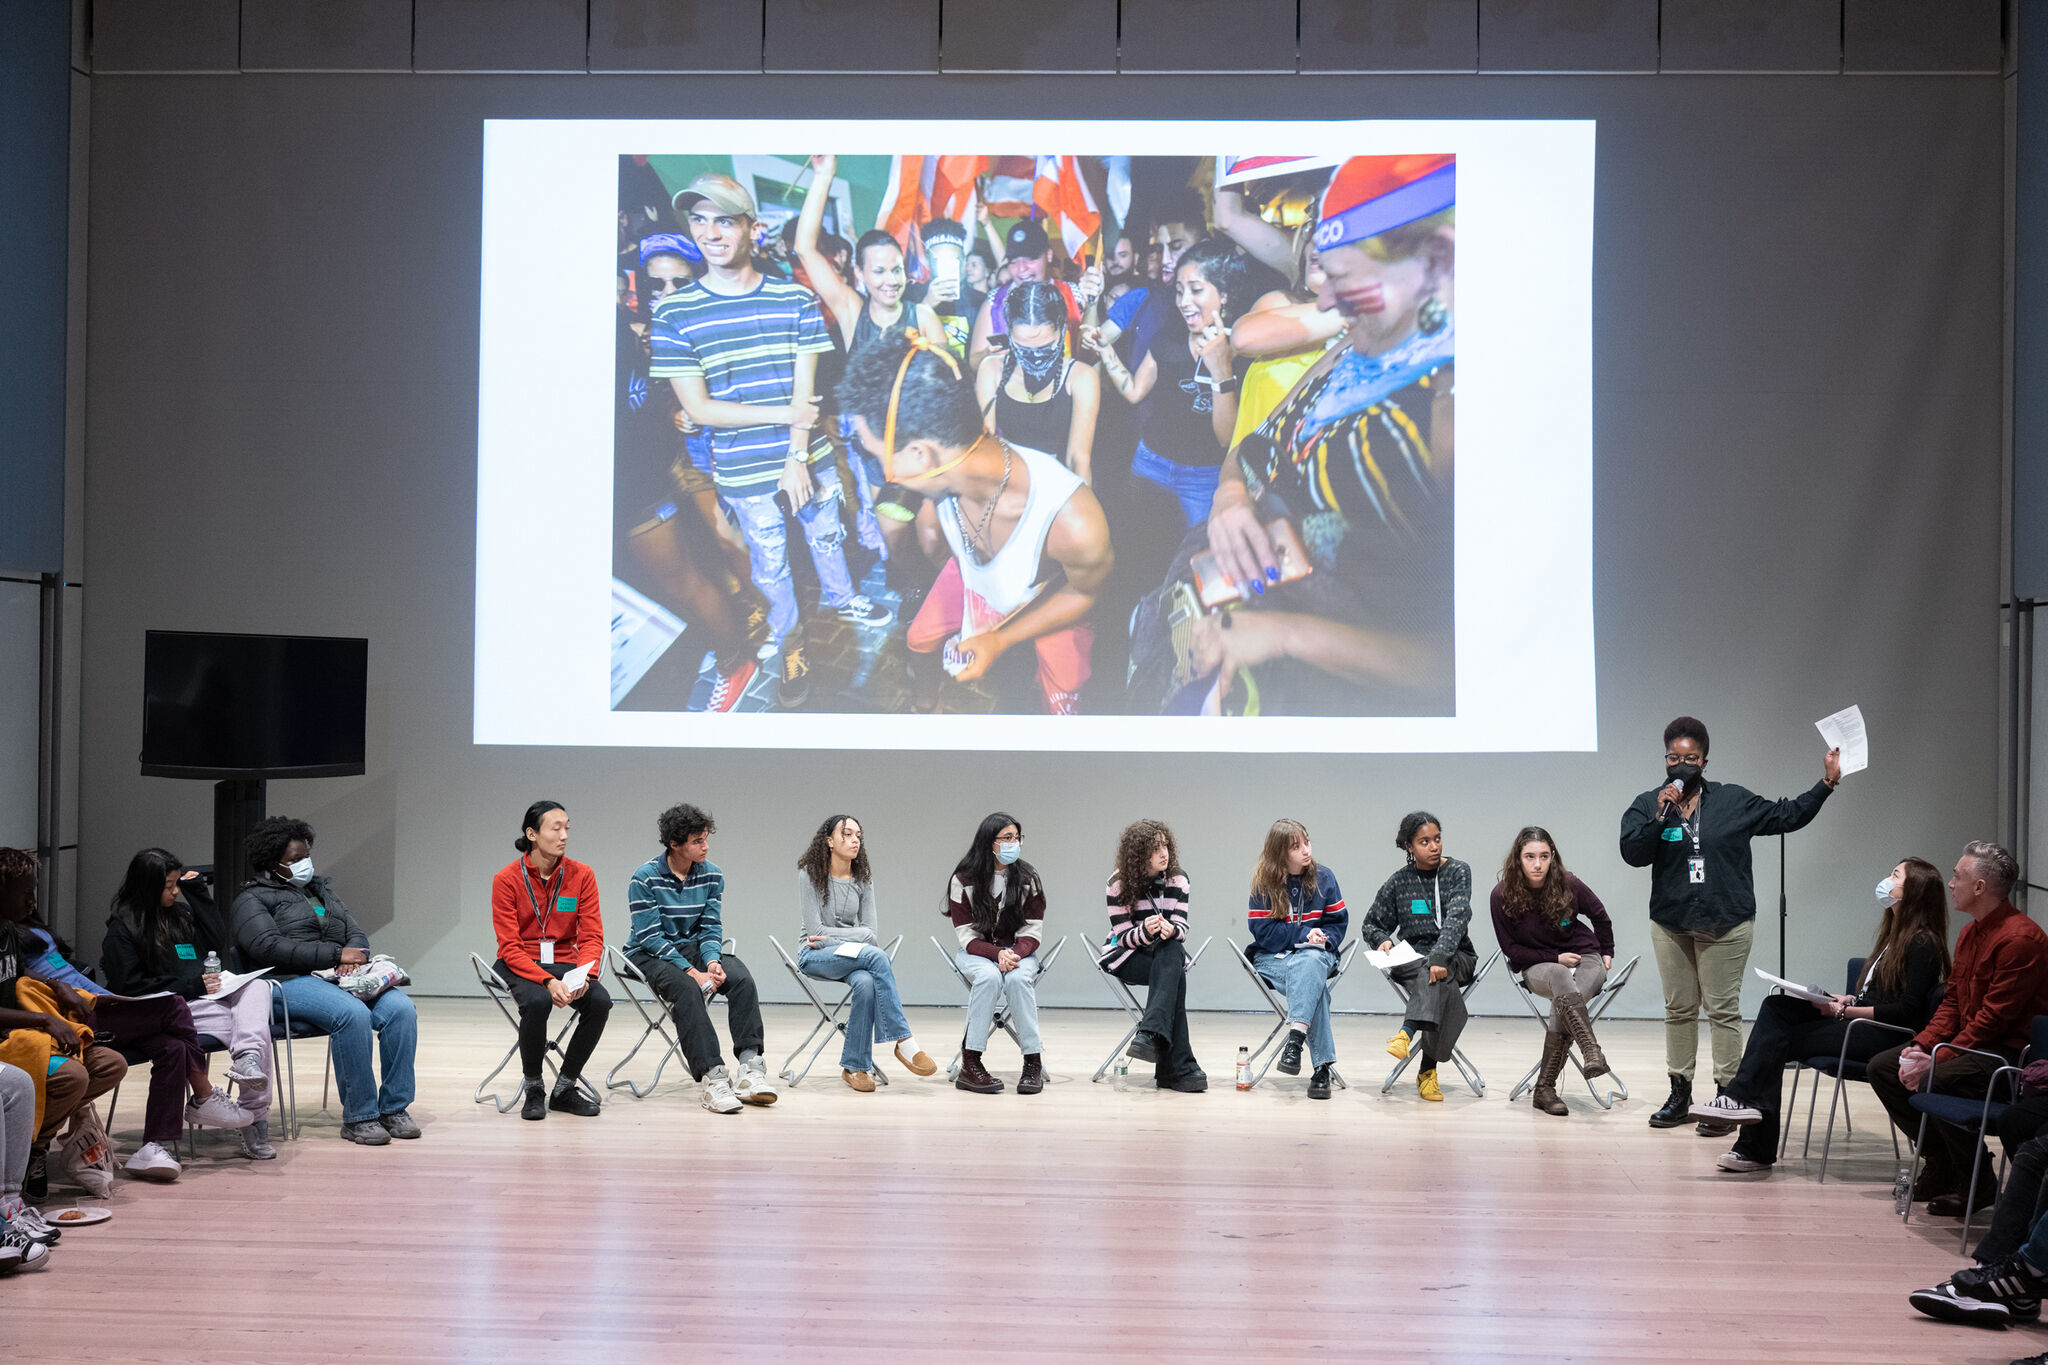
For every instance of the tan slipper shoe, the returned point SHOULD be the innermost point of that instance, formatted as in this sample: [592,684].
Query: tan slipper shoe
[858,1080]
[921,1064]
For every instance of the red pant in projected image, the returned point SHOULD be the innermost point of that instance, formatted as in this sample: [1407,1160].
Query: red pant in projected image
[1062,655]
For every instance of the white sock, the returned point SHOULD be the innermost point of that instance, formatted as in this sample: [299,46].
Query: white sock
[1301,1029]
[907,1045]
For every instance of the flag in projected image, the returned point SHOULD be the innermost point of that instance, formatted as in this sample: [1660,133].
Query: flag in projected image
[1064,200]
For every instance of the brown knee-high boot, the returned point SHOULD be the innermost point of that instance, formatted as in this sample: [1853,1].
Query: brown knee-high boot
[1544,1096]
[1573,1007]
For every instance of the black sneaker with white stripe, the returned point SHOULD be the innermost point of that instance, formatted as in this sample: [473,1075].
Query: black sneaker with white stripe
[1990,1295]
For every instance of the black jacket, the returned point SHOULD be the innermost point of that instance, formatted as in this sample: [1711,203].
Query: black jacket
[1913,1006]
[276,926]
[1730,816]
[129,968]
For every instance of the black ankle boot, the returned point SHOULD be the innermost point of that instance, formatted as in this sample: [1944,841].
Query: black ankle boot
[536,1106]
[1290,1053]
[1678,1109]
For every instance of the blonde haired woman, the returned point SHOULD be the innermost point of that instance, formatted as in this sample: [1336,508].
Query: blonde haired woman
[1297,919]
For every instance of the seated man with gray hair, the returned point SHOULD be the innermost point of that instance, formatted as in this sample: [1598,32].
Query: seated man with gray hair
[1997,986]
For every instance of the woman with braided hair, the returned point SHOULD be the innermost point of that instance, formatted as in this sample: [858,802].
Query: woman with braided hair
[1034,394]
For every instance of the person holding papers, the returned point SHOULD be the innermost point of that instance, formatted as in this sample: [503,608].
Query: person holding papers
[1148,935]
[164,926]
[1694,837]
[1556,934]
[1909,960]
[550,949]
[1427,905]
[835,894]
[1297,920]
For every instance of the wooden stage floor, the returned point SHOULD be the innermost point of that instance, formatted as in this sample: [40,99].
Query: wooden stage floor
[923,1222]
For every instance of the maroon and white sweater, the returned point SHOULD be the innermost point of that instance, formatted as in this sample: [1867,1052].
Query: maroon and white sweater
[1167,897]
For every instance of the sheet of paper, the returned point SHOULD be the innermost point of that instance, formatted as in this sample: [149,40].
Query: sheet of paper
[1401,953]
[230,982]
[1844,730]
[847,950]
[1813,993]
[576,976]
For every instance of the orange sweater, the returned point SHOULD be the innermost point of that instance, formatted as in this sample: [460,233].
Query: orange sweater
[568,901]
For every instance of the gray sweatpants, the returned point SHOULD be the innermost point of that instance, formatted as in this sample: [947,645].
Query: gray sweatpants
[1552,979]
[17,1126]
[1441,1005]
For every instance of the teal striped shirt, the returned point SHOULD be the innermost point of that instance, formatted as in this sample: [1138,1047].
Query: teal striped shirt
[674,917]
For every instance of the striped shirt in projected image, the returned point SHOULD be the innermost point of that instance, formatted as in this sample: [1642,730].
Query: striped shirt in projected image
[744,347]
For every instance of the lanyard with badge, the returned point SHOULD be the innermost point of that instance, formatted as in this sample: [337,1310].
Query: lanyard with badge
[1696,866]
[540,916]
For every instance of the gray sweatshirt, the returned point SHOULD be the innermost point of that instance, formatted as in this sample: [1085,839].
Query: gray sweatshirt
[846,915]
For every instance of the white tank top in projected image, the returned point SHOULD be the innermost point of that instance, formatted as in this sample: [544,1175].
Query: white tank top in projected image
[1005,583]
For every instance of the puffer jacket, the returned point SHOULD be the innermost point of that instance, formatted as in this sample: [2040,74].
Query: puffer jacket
[276,926]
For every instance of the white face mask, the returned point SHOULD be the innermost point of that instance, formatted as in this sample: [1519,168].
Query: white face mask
[300,872]
[1887,891]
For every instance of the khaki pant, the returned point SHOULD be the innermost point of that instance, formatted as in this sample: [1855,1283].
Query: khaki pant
[1700,969]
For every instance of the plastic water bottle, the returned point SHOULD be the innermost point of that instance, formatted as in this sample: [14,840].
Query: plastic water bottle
[210,967]
[1122,1075]
[1902,1191]
[1244,1068]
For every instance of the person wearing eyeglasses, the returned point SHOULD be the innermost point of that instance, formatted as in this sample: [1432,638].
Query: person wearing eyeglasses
[1694,837]
[1428,906]
[1025,547]
[997,904]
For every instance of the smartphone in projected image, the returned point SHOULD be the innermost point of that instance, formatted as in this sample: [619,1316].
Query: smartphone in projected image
[1213,588]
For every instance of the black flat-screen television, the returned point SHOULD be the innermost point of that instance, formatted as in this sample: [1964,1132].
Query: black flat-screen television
[252,706]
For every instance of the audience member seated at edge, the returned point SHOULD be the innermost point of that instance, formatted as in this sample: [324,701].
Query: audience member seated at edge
[1148,934]
[1428,906]
[678,903]
[163,926]
[997,905]
[1297,919]
[44,981]
[1908,961]
[2011,1267]
[25,1239]
[544,909]
[1998,983]
[289,919]
[1557,936]
[835,895]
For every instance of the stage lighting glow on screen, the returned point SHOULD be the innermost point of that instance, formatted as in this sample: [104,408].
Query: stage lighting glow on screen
[659,566]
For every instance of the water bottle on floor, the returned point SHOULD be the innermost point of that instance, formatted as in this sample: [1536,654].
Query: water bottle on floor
[1902,1191]
[1244,1068]
[1122,1075]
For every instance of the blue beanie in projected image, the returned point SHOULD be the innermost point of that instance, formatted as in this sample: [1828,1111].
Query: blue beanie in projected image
[669,244]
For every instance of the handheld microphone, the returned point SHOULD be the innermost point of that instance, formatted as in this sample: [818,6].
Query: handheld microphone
[1665,802]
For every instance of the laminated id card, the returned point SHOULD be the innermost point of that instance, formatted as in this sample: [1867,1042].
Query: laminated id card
[547,945]
[1696,869]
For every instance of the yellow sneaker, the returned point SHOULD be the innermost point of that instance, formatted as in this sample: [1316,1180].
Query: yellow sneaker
[1426,1086]
[1397,1046]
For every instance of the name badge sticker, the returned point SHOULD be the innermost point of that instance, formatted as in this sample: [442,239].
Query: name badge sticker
[566,904]
[1418,906]
[1673,834]
[187,952]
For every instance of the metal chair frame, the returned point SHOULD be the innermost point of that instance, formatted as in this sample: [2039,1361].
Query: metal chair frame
[654,1021]
[500,994]
[1002,1017]
[1983,1125]
[1596,1009]
[829,1023]
[1841,1086]
[1466,1067]
[1269,1049]
[1120,991]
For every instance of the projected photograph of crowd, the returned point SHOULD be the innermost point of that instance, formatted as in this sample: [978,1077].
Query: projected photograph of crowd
[1067,435]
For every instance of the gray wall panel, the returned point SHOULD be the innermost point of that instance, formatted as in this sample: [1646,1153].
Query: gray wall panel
[327,35]
[1751,35]
[165,35]
[1389,35]
[1918,35]
[675,35]
[852,35]
[1029,35]
[500,35]
[1208,35]
[1568,35]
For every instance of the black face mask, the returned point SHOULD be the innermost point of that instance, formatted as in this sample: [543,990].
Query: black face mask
[1685,774]
[1038,363]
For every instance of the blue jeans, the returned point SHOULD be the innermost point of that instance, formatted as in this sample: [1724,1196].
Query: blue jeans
[874,1013]
[1304,975]
[348,1024]
[1193,485]
[867,477]
[1017,989]
[760,523]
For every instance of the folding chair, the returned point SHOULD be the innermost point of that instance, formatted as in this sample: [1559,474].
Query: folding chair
[1120,991]
[654,1020]
[501,996]
[1270,1049]
[1465,1066]
[1971,1115]
[829,1021]
[1002,1019]
[1842,1070]
[1595,1009]
[212,1046]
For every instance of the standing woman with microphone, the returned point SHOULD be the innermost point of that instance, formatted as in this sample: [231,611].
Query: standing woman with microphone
[1694,837]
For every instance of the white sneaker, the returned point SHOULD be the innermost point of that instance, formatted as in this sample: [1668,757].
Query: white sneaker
[1725,1108]
[154,1163]
[255,1141]
[1742,1165]
[31,1221]
[718,1096]
[248,1071]
[217,1111]
[26,1253]
[753,1086]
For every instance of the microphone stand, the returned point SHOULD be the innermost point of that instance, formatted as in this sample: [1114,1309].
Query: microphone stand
[1781,905]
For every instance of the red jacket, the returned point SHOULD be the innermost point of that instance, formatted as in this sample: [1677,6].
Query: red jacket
[569,899]
[1997,986]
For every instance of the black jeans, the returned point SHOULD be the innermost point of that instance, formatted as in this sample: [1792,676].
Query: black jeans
[1951,1154]
[2019,1204]
[1790,1030]
[1163,972]
[692,1015]
[535,1008]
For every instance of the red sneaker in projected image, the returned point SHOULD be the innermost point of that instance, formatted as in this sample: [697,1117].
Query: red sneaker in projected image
[727,690]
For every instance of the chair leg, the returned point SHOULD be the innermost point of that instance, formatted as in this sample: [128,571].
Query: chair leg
[1913,1168]
[1827,1141]
[1812,1104]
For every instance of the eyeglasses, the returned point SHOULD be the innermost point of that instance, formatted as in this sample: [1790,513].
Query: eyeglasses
[1683,758]
[1009,838]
